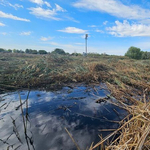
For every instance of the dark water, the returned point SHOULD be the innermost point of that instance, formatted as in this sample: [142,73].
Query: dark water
[49,113]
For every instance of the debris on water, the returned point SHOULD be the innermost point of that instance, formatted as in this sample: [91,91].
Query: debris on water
[1,99]
[104,99]
[77,98]
[3,105]
[38,95]
[65,108]
[43,116]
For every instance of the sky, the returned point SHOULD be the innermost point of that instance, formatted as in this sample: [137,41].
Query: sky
[112,25]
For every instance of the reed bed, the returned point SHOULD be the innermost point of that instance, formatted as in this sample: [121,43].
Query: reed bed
[54,71]
[134,130]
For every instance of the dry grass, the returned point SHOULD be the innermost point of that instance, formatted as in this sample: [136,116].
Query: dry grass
[53,71]
[134,131]
[125,78]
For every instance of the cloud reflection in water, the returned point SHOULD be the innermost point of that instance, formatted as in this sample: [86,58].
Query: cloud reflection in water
[51,112]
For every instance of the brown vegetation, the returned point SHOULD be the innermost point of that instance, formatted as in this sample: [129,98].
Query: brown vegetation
[127,80]
[48,71]
[134,130]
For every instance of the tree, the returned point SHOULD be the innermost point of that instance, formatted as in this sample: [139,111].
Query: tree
[134,53]
[146,55]
[9,51]
[58,51]
[42,52]
[17,51]
[2,50]
[27,51]
[14,51]
[34,51]
[30,51]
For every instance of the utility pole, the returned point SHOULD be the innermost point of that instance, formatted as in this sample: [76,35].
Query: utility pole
[86,36]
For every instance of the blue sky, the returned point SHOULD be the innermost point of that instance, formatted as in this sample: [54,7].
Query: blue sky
[113,25]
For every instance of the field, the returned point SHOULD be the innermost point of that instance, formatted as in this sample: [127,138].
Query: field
[53,71]
[128,81]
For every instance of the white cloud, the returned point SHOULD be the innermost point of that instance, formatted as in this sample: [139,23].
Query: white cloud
[145,21]
[79,43]
[44,13]
[47,3]
[105,22]
[26,33]
[3,33]
[47,13]
[41,2]
[83,36]
[126,29]
[58,8]
[10,16]
[46,38]
[15,6]
[54,43]
[92,26]
[100,31]
[2,2]
[71,19]
[115,8]
[6,3]
[1,24]
[73,30]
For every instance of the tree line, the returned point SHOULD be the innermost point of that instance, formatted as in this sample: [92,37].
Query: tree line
[133,52]
[27,51]
[136,53]
[31,51]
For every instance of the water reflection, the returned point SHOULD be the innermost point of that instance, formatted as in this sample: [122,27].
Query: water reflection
[51,112]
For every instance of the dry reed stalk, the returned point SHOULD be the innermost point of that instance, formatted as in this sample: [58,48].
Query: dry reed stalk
[24,125]
[73,139]
[134,130]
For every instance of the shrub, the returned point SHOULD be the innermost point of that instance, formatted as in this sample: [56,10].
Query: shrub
[146,55]
[76,54]
[58,51]
[134,53]
[9,51]
[2,50]
[42,52]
